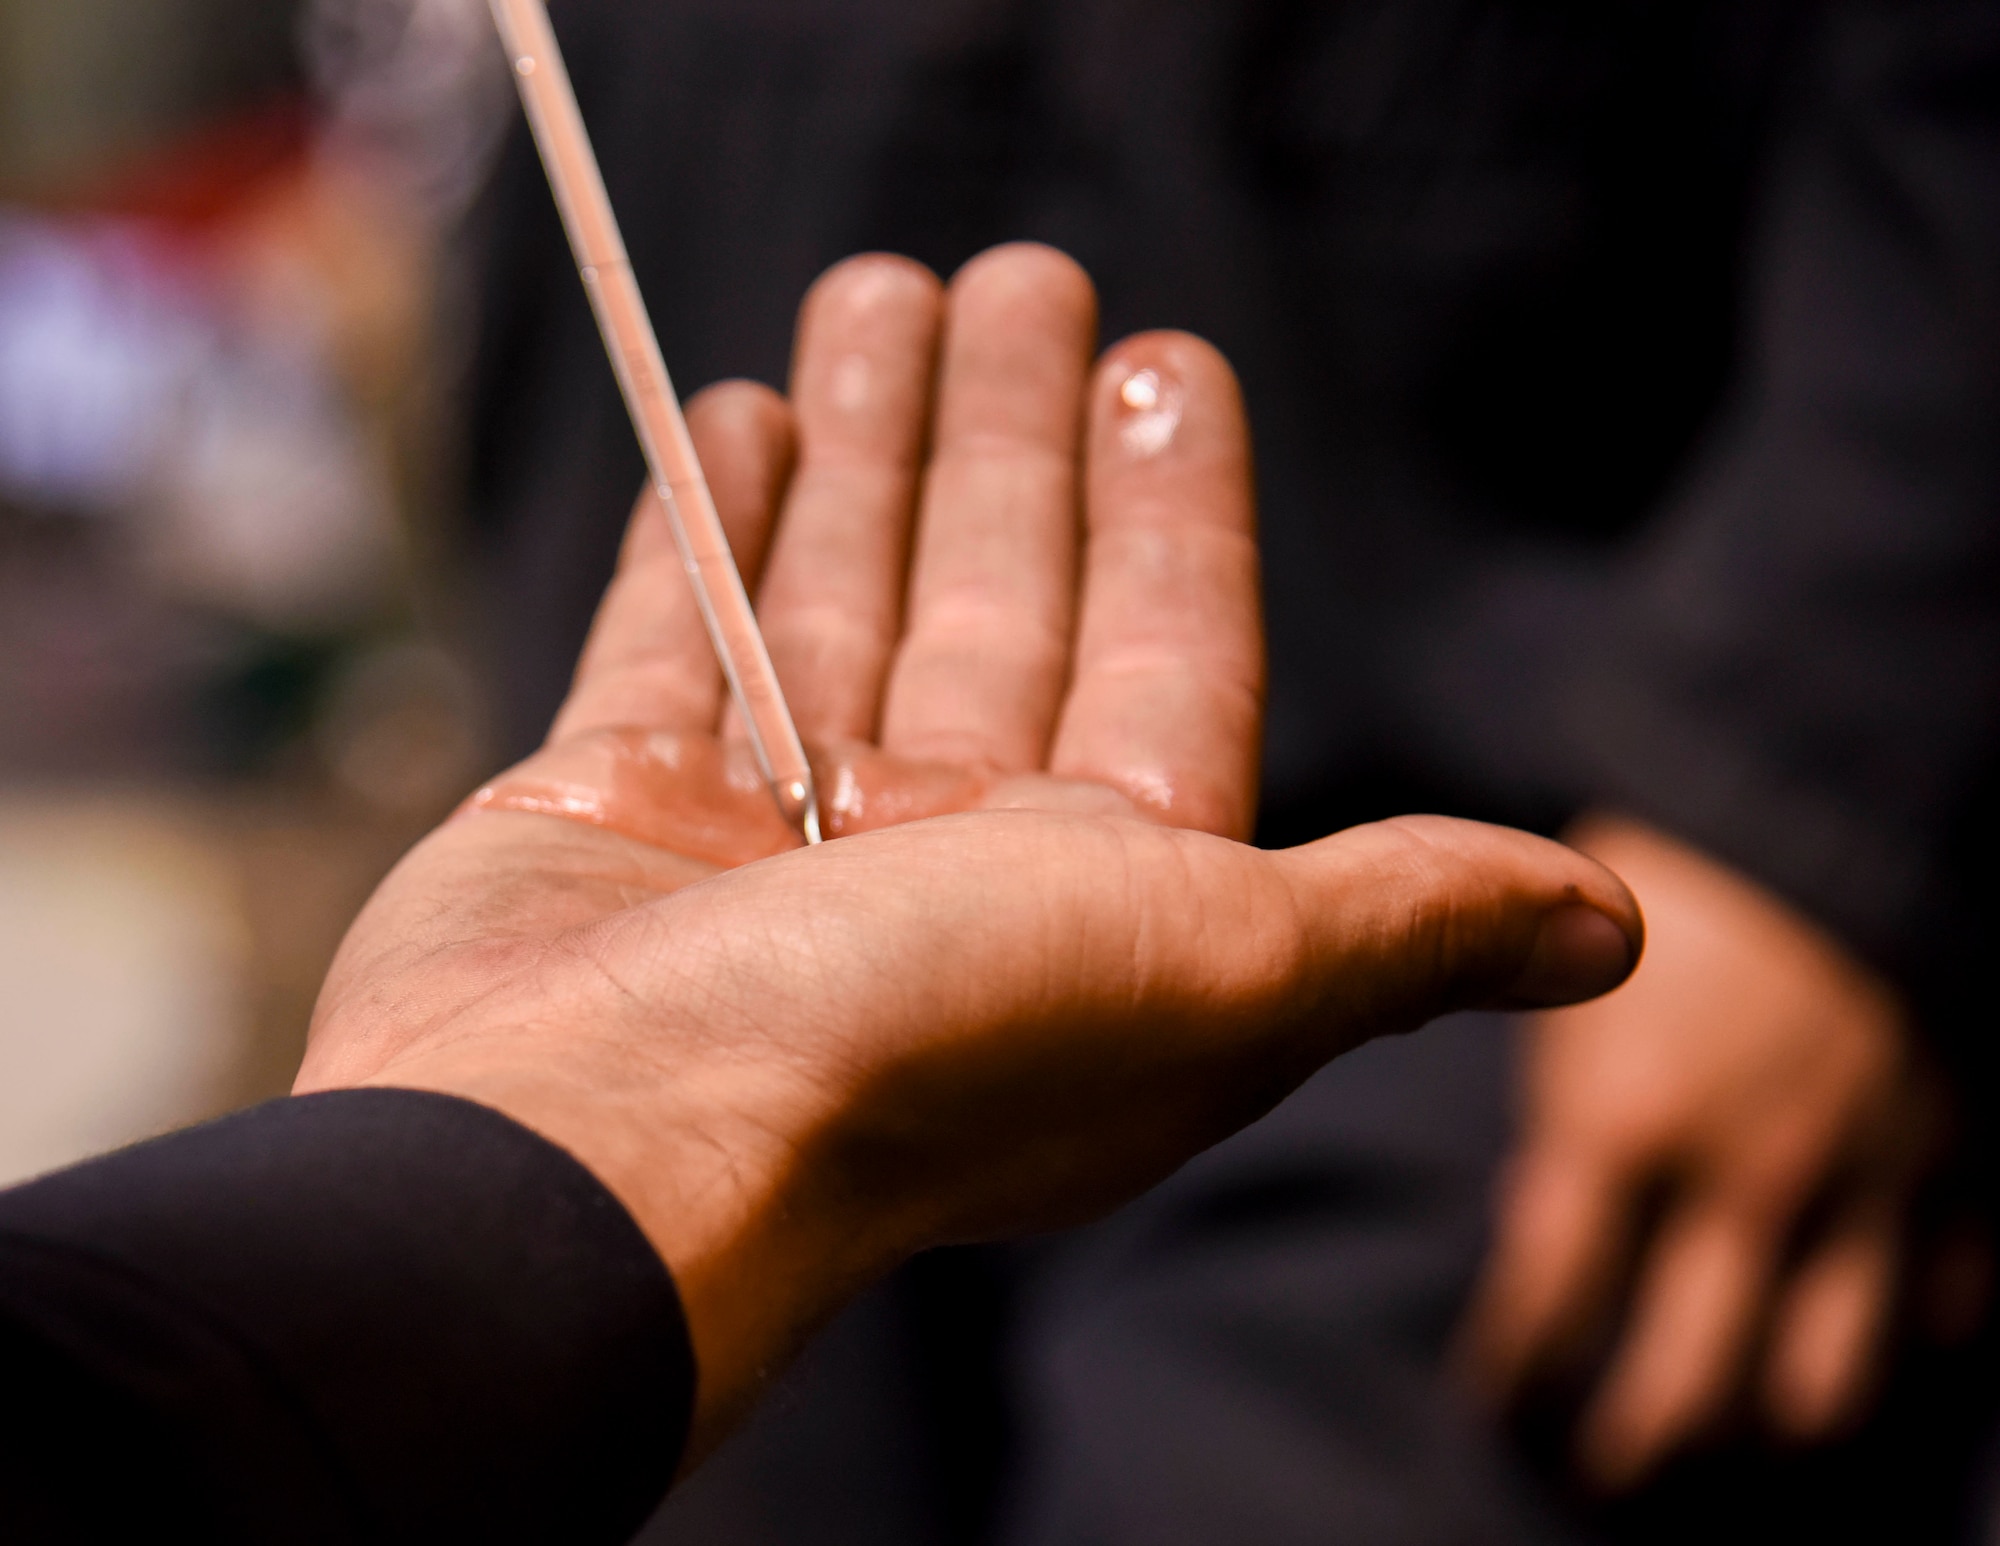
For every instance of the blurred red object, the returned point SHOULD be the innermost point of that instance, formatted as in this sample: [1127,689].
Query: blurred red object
[201,182]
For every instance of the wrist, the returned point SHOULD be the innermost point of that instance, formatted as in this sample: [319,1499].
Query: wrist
[707,1161]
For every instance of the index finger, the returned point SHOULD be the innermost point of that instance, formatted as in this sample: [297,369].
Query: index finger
[648,663]
[1167,697]
[832,600]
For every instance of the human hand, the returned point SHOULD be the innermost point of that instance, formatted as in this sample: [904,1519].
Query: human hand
[795,1072]
[995,579]
[1762,1082]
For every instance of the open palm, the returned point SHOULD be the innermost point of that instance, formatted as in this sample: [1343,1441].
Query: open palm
[989,577]
[1003,589]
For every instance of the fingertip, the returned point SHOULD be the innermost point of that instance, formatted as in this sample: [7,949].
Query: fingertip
[1579,951]
[747,414]
[863,362]
[1187,355]
[1822,1347]
[1559,1225]
[746,438]
[1506,919]
[863,314]
[1020,276]
[1012,263]
[1167,394]
[869,281]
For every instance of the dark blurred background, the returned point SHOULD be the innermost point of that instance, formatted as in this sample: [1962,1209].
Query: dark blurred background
[237,635]
[231,690]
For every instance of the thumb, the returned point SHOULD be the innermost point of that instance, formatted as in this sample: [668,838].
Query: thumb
[1079,1006]
[1408,919]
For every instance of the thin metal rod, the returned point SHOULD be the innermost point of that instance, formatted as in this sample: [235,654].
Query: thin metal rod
[677,477]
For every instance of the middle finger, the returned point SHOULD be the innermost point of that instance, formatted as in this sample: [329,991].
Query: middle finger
[985,654]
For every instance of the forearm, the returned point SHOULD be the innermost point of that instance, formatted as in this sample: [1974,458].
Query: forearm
[365,1316]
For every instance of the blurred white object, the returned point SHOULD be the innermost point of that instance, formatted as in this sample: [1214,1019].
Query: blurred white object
[93,347]
[418,88]
[123,962]
[273,504]
[128,390]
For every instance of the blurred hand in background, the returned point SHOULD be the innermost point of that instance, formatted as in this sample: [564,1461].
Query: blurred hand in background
[1714,1175]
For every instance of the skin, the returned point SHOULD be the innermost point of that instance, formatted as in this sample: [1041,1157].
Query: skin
[1767,1081]
[1017,616]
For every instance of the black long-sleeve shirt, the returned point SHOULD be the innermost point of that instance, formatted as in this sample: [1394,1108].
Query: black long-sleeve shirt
[373,1316]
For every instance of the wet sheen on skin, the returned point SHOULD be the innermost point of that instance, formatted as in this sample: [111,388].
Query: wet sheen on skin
[696,795]
[703,798]
[1151,406]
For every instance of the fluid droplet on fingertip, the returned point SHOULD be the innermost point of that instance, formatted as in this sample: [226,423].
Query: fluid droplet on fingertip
[1154,405]
[1141,391]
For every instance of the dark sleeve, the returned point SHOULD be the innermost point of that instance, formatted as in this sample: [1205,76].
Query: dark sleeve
[1800,665]
[365,1316]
